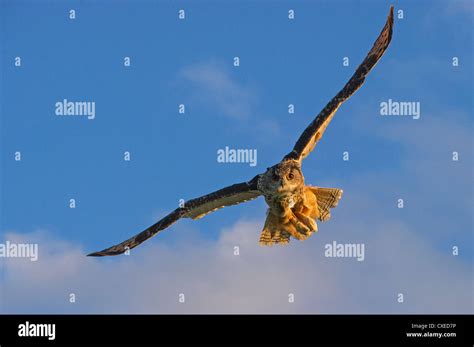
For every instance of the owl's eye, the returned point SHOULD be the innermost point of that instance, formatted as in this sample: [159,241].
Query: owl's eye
[290,176]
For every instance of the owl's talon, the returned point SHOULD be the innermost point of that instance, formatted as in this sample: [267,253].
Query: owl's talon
[302,231]
[298,225]
[308,221]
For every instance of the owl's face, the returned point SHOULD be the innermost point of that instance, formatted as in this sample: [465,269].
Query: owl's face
[284,177]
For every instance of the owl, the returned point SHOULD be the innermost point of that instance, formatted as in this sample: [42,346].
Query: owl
[293,206]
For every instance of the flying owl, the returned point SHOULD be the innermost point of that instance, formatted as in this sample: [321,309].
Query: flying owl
[293,206]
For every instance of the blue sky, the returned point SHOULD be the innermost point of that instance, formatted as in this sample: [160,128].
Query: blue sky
[174,156]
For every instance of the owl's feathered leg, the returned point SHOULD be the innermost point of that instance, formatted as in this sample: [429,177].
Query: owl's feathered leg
[281,222]
[290,223]
[303,212]
[307,220]
[316,204]
[296,227]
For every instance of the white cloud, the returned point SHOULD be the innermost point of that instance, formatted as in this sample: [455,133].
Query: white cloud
[258,280]
[213,83]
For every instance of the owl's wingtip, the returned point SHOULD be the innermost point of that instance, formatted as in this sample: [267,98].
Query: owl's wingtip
[105,253]
[95,254]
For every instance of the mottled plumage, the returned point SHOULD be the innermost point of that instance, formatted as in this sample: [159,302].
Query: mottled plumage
[293,206]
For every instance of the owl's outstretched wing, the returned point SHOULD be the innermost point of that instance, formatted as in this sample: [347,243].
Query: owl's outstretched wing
[195,209]
[315,130]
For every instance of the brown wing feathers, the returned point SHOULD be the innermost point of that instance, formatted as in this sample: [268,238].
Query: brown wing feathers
[232,195]
[143,236]
[195,209]
[315,130]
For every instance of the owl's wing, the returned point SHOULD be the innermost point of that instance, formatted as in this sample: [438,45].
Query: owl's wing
[195,209]
[315,130]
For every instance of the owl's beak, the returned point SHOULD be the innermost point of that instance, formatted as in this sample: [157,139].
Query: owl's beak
[281,186]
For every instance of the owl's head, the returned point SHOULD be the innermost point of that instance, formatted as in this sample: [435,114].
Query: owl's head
[285,176]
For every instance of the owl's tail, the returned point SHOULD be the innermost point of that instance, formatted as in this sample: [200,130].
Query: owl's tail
[326,198]
[273,233]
